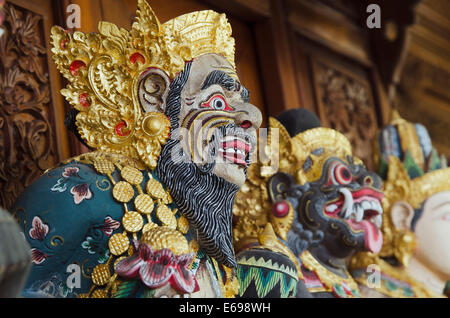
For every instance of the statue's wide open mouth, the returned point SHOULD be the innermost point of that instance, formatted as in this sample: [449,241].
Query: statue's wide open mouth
[362,210]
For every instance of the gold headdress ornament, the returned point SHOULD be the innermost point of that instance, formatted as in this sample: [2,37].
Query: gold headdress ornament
[103,70]
[303,157]
[399,187]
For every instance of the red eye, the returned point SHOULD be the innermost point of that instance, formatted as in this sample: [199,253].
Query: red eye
[217,102]
[340,174]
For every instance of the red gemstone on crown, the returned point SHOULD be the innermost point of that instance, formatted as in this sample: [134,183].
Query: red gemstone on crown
[84,100]
[280,209]
[121,129]
[137,57]
[63,44]
[75,67]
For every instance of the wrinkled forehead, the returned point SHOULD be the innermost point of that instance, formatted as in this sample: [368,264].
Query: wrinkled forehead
[202,66]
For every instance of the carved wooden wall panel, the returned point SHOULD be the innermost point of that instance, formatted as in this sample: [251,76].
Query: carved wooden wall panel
[28,139]
[345,103]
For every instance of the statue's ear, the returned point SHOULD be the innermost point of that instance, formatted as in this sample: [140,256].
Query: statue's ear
[152,90]
[279,185]
[401,215]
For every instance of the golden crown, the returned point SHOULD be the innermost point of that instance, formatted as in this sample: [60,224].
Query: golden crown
[301,156]
[103,70]
[400,187]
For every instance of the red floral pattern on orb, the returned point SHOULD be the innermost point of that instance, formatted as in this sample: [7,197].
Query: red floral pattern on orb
[70,172]
[37,256]
[109,226]
[158,268]
[137,57]
[75,67]
[121,129]
[280,209]
[38,230]
[81,192]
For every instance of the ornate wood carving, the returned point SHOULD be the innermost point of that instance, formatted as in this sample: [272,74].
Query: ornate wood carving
[346,104]
[27,144]
[424,98]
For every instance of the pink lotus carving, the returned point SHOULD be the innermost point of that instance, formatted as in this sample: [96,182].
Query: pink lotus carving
[158,268]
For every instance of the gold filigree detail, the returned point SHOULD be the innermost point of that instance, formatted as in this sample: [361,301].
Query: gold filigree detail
[132,222]
[155,189]
[193,246]
[147,227]
[328,278]
[99,293]
[101,274]
[103,70]
[362,260]
[182,225]
[132,175]
[165,237]
[231,286]
[267,239]
[104,166]
[118,244]
[166,216]
[144,203]
[282,225]
[123,191]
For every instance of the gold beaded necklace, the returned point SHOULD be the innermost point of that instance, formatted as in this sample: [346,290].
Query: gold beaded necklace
[138,223]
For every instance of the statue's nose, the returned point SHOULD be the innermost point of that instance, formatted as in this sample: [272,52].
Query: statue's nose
[249,116]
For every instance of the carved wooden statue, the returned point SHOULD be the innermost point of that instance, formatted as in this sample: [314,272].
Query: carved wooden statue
[323,206]
[149,212]
[415,258]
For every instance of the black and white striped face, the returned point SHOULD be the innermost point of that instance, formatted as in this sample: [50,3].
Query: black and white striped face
[213,98]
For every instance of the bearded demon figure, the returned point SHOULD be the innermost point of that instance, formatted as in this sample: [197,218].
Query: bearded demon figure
[148,213]
[323,206]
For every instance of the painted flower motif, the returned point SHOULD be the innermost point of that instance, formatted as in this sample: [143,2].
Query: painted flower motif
[70,172]
[81,192]
[37,256]
[109,226]
[60,186]
[103,256]
[158,268]
[89,244]
[39,229]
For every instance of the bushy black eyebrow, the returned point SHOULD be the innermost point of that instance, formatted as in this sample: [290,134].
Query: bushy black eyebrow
[227,82]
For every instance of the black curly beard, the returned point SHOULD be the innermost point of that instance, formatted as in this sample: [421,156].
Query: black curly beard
[205,199]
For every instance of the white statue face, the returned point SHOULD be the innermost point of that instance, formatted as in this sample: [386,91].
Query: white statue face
[212,96]
[433,233]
